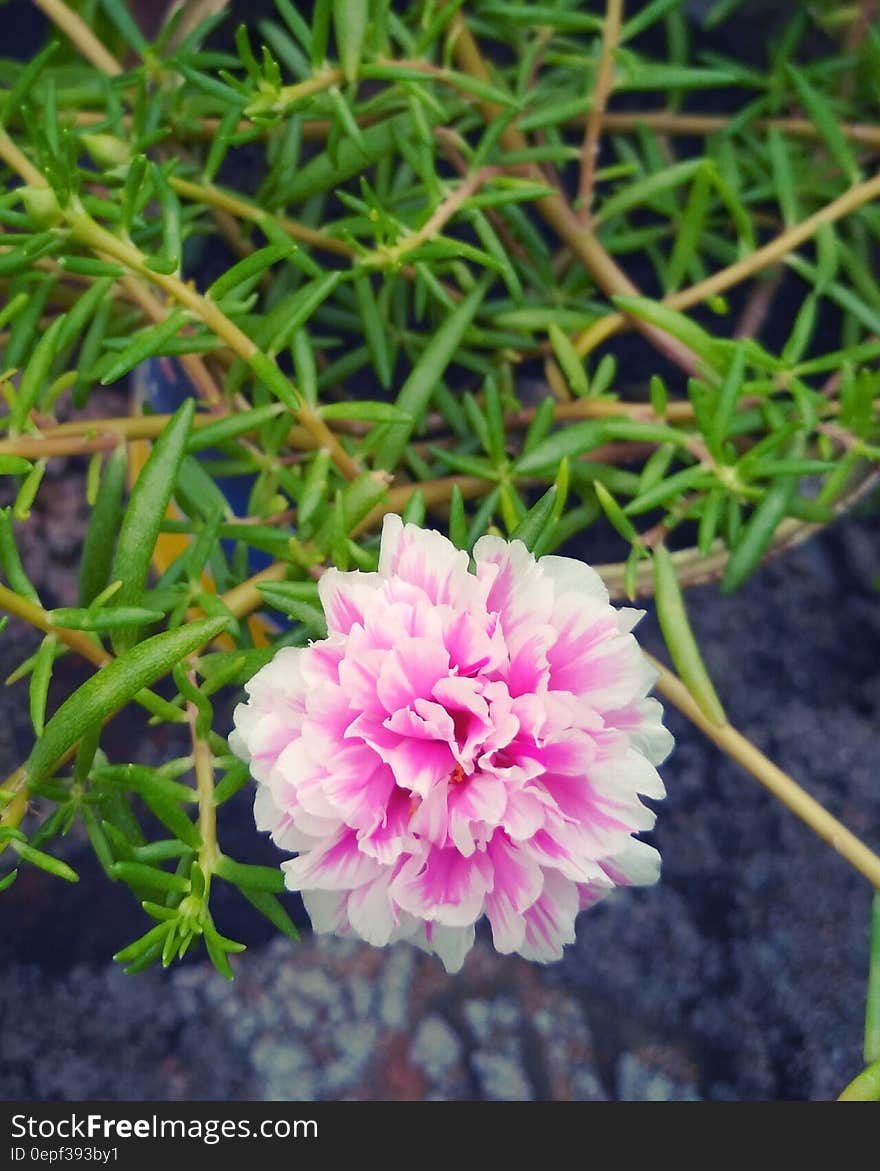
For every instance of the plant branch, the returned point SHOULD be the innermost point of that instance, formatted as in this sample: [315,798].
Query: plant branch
[703,125]
[194,365]
[203,767]
[770,254]
[865,1087]
[19,162]
[36,616]
[693,568]
[215,197]
[289,95]
[601,93]
[241,600]
[74,27]
[779,783]
[72,437]
[666,122]
[436,222]
[559,215]
[86,231]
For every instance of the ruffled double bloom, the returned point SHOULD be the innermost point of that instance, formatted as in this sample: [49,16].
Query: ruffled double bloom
[460,744]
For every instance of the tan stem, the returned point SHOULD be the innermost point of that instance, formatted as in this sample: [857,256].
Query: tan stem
[81,35]
[53,448]
[194,365]
[779,783]
[765,257]
[243,209]
[36,616]
[601,93]
[435,223]
[90,233]
[558,214]
[699,125]
[664,122]
[19,162]
[243,599]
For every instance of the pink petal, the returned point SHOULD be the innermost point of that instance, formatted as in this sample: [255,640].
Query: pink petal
[637,864]
[430,819]
[429,721]
[450,944]
[480,799]
[393,837]
[426,559]
[358,676]
[444,886]
[524,814]
[410,671]
[559,846]
[346,597]
[518,882]
[596,662]
[570,576]
[337,864]
[550,920]
[518,591]
[326,909]
[417,764]
[475,643]
[358,787]
[642,723]
[371,912]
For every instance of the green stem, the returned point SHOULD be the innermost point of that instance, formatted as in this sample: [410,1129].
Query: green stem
[14,812]
[203,766]
[865,1087]
[288,95]
[872,1009]
[80,436]
[243,209]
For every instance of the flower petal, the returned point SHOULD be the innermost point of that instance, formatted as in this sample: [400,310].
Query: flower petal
[518,882]
[426,559]
[346,597]
[550,920]
[337,864]
[444,886]
[460,744]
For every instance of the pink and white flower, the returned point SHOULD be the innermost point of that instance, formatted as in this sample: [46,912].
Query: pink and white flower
[461,744]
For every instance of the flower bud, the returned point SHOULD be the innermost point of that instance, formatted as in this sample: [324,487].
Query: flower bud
[42,206]
[107,151]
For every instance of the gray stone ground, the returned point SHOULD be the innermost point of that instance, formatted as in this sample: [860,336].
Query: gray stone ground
[740,976]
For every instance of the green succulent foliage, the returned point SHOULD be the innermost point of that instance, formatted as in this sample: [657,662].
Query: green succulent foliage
[370,220]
